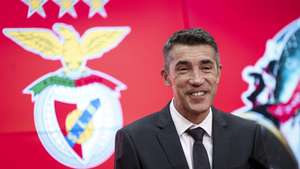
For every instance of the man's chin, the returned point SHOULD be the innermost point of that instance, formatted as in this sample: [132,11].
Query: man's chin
[199,108]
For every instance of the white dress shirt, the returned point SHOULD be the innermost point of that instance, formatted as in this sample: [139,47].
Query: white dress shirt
[182,124]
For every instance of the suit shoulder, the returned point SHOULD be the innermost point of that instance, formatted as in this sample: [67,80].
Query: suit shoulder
[241,120]
[143,124]
[238,122]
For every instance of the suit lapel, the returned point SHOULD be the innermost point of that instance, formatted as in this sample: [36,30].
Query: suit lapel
[169,140]
[221,140]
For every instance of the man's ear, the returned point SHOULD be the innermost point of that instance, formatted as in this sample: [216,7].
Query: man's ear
[165,76]
[219,73]
[220,67]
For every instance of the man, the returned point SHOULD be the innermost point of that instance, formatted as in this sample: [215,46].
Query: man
[165,139]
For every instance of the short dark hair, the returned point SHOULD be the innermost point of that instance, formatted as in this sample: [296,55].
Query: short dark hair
[195,36]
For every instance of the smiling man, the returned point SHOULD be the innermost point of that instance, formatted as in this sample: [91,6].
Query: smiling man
[189,133]
[193,73]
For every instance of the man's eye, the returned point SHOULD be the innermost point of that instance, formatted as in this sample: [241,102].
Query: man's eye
[182,69]
[206,68]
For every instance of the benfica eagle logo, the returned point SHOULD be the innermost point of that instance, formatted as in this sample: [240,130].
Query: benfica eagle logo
[76,109]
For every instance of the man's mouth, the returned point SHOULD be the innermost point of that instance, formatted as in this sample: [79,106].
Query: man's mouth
[199,93]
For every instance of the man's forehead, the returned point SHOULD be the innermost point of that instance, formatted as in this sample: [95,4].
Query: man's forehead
[193,46]
[192,50]
[190,53]
[191,60]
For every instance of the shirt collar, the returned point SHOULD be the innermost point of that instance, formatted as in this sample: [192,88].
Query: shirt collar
[182,124]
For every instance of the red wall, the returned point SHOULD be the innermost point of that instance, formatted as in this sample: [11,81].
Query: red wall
[241,29]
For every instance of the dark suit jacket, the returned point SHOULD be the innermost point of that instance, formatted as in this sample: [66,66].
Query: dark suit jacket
[153,143]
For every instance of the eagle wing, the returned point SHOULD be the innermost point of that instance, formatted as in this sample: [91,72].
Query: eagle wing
[36,40]
[98,40]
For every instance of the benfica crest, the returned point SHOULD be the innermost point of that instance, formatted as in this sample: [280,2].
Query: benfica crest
[76,109]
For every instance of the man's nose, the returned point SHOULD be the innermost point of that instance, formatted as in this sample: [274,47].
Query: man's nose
[196,78]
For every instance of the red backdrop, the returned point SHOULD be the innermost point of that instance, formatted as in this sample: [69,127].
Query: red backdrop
[241,29]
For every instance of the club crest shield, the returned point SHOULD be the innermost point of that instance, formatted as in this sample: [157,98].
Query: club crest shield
[77,110]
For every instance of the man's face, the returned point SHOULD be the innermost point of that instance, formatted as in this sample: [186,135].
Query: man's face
[193,75]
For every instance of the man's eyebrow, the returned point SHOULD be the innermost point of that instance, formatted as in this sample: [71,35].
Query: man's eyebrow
[206,61]
[182,62]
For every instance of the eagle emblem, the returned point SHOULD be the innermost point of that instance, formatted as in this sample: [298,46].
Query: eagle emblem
[76,109]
